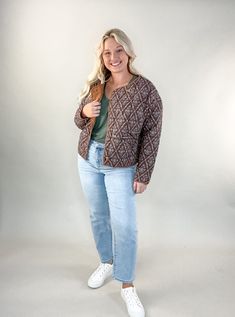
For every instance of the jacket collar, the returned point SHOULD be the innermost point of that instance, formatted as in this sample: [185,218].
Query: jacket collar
[97,89]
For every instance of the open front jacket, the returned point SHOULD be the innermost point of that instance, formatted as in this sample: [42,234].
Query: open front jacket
[133,127]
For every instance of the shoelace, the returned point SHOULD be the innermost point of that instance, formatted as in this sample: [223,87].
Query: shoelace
[132,298]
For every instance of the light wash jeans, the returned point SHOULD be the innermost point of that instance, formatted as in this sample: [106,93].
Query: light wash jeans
[111,199]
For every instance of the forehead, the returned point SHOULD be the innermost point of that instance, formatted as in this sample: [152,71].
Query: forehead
[111,43]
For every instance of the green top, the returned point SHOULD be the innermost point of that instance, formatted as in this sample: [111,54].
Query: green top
[99,131]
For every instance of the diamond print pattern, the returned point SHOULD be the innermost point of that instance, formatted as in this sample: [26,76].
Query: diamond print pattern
[134,127]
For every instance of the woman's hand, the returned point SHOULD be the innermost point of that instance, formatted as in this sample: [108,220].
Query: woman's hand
[139,187]
[91,110]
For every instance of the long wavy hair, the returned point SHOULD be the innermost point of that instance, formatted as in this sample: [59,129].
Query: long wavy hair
[100,72]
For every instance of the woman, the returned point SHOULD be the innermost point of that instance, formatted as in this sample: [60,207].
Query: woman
[120,116]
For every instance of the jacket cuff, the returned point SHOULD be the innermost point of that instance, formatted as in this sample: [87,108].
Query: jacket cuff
[81,119]
[141,177]
[78,119]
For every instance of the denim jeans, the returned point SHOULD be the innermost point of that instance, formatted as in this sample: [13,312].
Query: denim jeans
[111,198]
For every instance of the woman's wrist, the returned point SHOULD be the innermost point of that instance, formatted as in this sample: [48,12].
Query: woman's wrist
[83,115]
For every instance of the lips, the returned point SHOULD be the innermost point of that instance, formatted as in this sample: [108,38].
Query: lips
[115,64]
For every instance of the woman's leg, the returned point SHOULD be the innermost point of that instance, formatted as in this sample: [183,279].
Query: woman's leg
[92,181]
[122,205]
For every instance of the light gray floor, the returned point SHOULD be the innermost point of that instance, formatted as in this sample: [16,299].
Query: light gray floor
[50,281]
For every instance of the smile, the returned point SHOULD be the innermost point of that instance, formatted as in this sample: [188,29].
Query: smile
[115,64]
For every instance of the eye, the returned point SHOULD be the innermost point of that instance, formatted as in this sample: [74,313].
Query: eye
[119,50]
[106,53]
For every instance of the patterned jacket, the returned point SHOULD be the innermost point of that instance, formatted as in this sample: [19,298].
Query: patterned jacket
[133,127]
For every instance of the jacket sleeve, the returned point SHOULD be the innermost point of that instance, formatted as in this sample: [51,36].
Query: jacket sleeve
[78,119]
[149,138]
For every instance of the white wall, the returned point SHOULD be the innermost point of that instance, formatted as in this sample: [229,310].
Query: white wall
[186,48]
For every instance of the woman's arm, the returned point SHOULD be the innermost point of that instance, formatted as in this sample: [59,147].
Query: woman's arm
[149,138]
[79,119]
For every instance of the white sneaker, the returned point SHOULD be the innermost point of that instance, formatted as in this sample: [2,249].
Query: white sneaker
[97,278]
[133,303]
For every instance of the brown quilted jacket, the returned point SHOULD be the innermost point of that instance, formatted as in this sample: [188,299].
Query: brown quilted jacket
[133,127]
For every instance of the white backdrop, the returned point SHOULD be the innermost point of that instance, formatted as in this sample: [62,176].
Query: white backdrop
[186,48]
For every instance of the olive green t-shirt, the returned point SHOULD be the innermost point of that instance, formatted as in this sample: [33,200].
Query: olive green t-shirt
[99,131]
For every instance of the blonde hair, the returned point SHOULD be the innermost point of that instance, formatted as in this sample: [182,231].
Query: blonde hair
[100,72]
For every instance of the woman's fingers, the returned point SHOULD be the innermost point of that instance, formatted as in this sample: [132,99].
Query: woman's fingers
[135,186]
[96,109]
[139,187]
[92,109]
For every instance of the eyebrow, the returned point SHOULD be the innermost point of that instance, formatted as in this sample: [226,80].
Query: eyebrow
[116,47]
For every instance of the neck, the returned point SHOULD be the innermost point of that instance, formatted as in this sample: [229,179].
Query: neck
[120,78]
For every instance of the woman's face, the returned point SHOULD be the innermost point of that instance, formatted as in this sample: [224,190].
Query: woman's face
[114,56]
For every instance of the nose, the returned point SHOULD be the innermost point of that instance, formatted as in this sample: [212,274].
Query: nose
[113,55]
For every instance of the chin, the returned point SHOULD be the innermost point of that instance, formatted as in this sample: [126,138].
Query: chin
[119,70]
